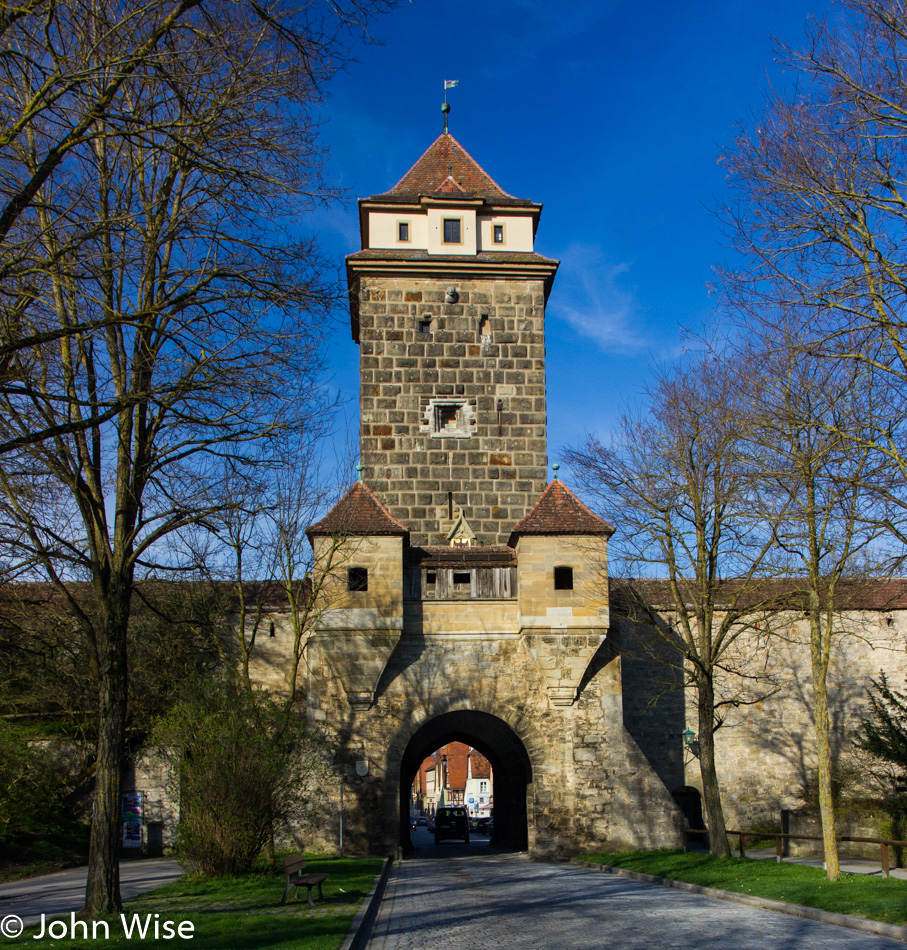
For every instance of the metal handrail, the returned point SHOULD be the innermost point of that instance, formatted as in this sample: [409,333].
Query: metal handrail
[883,843]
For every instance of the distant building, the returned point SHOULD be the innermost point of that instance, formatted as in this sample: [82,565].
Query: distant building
[464,775]
[479,786]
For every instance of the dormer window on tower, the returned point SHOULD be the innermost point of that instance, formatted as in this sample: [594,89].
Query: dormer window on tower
[453,231]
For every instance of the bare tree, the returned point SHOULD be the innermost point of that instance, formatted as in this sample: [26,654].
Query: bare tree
[261,567]
[820,477]
[69,75]
[64,69]
[185,322]
[818,213]
[677,482]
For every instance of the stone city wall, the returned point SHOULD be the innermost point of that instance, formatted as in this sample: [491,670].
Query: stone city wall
[765,747]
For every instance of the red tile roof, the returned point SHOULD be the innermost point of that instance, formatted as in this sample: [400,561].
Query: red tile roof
[358,513]
[443,160]
[780,593]
[437,555]
[559,511]
[481,767]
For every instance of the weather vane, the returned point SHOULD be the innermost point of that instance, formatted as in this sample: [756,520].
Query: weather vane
[448,84]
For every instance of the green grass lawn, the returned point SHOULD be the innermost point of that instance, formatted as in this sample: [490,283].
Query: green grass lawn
[244,912]
[875,898]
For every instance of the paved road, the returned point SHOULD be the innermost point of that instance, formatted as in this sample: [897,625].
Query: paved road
[60,893]
[507,902]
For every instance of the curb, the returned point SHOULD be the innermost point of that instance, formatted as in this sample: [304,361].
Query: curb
[794,910]
[360,931]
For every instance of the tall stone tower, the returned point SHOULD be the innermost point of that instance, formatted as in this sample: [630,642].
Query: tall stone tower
[448,307]
[460,596]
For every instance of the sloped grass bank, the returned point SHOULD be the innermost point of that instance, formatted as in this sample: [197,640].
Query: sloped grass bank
[232,912]
[875,898]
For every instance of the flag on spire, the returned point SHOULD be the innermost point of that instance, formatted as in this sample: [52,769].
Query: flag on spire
[448,84]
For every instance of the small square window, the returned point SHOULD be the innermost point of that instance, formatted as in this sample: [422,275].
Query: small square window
[431,577]
[498,233]
[461,577]
[448,417]
[452,231]
[563,578]
[357,578]
[425,326]
[403,230]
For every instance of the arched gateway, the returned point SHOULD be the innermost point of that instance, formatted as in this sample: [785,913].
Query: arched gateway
[500,745]
[461,595]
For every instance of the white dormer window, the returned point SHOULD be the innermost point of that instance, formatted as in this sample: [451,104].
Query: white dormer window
[497,232]
[403,231]
[452,231]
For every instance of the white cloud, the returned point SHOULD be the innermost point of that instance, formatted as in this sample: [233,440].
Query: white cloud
[592,297]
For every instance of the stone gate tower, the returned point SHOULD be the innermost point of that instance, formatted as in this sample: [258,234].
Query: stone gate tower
[461,595]
[448,307]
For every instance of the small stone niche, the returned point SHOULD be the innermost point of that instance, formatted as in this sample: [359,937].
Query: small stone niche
[449,418]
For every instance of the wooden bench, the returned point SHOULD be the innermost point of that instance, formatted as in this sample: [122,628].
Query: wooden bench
[293,867]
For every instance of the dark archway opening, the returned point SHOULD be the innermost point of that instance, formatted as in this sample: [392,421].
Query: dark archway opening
[689,801]
[503,749]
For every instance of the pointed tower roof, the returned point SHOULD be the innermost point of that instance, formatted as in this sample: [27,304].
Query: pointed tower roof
[559,511]
[446,168]
[358,513]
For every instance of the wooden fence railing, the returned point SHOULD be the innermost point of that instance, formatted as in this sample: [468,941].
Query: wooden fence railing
[883,843]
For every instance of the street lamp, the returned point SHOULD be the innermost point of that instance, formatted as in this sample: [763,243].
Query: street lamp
[691,741]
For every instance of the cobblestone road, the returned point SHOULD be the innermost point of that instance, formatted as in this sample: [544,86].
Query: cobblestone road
[488,901]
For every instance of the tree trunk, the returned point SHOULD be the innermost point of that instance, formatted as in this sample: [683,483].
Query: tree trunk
[823,750]
[711,793]
[102,890]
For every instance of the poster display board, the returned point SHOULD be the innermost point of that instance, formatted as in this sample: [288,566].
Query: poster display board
[132,819]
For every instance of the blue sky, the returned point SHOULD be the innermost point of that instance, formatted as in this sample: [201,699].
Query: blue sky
[611,114]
